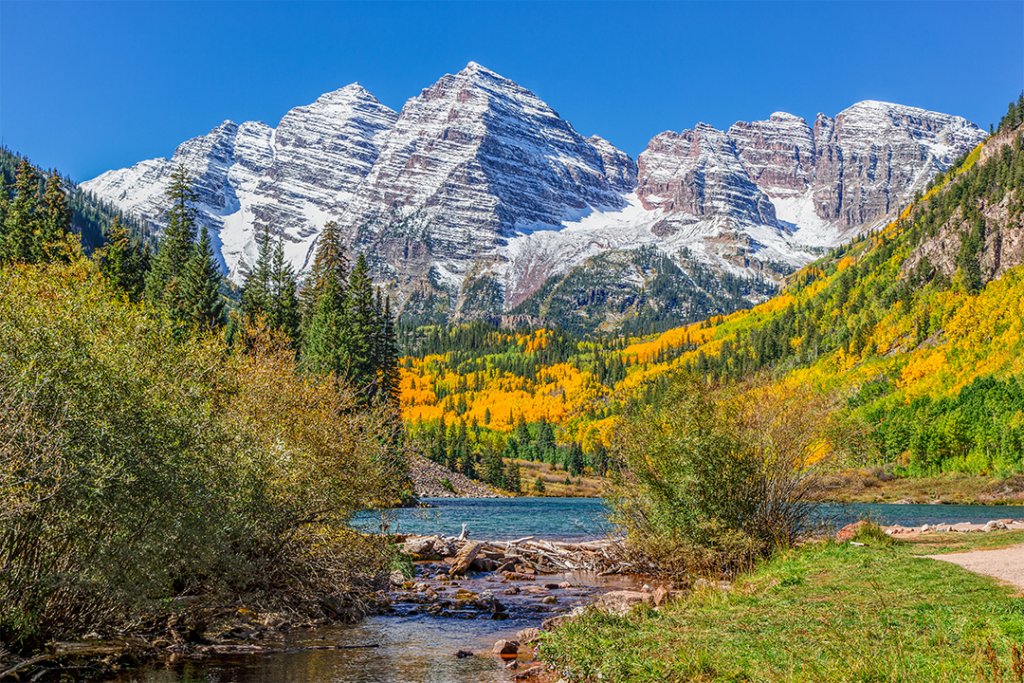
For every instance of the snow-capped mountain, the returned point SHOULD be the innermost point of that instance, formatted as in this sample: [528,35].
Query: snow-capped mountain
[478,193]
[293,178]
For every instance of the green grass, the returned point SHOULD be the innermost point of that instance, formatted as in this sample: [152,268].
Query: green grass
[937,544]
[823,613]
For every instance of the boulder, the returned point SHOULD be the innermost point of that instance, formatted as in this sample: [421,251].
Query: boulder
[847,533]
[661,596]
[621,602]
[506,649]
[528,635]
[993,526]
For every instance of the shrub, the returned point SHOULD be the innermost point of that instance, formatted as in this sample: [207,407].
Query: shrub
[717,476]
[141,461]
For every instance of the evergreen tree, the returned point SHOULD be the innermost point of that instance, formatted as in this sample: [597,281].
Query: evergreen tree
[330,268]
[325,348]
[452,457]
[21,216]
[576,461]
[494,469]
[362,328]
[165,282]
[202,304]
[522,432]
[513,477]
[256,288]
[54,221]
[122,262]
[545,439]
[284,285]
[439,449]
[387,359]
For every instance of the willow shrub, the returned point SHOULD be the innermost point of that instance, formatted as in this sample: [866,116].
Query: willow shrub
[714,477]
[140,461]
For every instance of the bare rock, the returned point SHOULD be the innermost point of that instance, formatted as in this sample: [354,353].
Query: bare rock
[847,533]
[528,635]
[505,648]
[621,602]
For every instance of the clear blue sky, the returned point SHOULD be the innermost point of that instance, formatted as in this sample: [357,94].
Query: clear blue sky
[90,86]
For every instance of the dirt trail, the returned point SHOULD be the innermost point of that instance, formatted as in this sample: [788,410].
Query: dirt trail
[1006,564]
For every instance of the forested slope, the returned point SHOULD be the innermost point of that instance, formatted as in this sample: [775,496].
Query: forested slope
[919,326]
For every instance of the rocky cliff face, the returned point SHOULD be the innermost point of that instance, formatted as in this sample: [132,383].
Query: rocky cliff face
[478,193]
[292,179]
[481,158]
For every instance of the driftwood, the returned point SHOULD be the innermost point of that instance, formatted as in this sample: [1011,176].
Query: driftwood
[524,554]
[25,664]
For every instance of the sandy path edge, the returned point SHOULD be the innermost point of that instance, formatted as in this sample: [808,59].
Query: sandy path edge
[1005,564]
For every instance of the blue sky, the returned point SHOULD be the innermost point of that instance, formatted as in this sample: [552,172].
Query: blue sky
[89,86]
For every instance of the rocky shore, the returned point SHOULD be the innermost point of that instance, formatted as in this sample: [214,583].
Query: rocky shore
[547,582]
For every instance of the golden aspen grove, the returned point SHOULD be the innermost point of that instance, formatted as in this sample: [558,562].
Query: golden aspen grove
[917,325]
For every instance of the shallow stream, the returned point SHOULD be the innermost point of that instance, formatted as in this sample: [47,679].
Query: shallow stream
[413,647]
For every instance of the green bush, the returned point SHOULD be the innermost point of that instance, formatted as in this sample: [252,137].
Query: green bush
[715,477]
[141,461]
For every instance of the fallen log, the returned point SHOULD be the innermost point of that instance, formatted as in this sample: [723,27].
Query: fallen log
[26,663]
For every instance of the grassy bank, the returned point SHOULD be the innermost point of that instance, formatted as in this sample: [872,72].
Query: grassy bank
[821,613]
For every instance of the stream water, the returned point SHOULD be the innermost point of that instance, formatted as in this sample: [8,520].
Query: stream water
[417,648]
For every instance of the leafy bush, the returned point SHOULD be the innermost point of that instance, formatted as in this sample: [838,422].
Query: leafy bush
[141,461]
[715,477]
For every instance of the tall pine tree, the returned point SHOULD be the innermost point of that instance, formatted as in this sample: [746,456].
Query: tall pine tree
[362,328]
[201,301]
[53,223]
[256,288]
[330,267]
[165,282]
[284,313]
[20,217]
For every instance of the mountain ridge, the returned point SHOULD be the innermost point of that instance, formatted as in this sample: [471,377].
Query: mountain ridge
[477,192]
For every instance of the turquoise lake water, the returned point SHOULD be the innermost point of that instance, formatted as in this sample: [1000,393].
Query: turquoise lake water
[498,519]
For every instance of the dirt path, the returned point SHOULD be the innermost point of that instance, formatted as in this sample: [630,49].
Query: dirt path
[1006,564]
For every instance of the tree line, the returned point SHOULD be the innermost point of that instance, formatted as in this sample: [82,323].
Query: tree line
[338,323]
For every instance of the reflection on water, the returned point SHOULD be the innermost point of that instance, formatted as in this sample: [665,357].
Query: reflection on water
[411,650]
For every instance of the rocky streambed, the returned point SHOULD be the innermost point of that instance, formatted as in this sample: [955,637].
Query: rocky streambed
[527,580]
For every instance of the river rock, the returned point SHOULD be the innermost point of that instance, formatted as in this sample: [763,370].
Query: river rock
[528,635]
[554,622]
[621,602]
[483,564]
[505,648]
[993,526]
[661,596]
[462,654]
[847,533]
[419,546]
